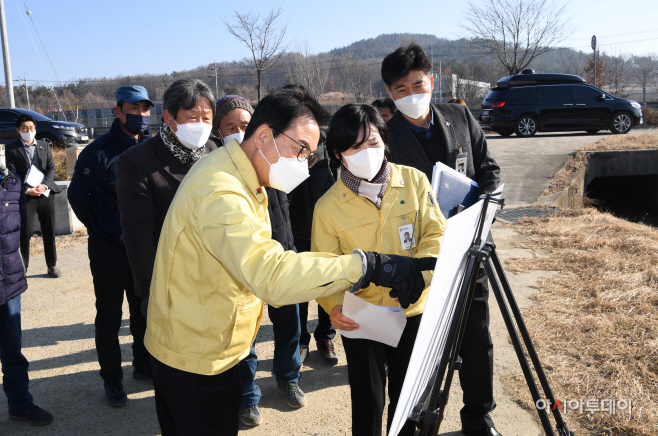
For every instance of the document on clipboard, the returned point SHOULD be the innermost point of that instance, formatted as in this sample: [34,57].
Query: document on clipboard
[34,177]
[452,188]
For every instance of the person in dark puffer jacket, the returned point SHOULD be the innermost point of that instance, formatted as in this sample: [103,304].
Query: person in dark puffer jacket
[12,284]
[232,114]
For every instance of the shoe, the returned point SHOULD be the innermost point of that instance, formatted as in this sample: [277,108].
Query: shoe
[303,351]
[294,395]
[143,373]
[116,397]
[250,415]
[327,351]
[489,431]
[33,414]
[54,272]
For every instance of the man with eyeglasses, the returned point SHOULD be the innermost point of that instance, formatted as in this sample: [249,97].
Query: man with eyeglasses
[21,155]
[216,263]
[232,116]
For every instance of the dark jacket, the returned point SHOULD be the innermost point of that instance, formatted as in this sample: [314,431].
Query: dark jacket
[459,130]
[278,206]
[148,176]
[304,197]
[12,218]
[92,192]
[19,162]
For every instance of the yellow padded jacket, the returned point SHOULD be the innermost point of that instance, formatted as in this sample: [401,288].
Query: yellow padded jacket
[216,262]
[343,221]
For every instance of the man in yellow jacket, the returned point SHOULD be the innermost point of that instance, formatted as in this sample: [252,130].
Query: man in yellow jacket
[216,262]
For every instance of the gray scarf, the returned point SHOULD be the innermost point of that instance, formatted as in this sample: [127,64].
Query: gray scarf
[186,156]
[4,172]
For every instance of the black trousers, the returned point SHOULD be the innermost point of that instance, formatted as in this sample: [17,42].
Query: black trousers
[112,277]
[324,329]
[476,372]
[44,208]
[193,404]
[367,378]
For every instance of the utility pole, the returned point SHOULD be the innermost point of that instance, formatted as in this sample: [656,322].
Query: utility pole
[440,92]
[594,48]
[5,56]
[432,69]
[215,75]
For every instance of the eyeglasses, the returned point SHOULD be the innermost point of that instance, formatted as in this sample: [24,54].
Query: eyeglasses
[26,129]
[309,157]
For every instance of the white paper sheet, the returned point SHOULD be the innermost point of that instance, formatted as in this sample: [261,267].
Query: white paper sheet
[377,323]
[34,177]
[439,309]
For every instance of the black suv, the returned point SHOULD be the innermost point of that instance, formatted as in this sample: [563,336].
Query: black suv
[527,103]
[55,133]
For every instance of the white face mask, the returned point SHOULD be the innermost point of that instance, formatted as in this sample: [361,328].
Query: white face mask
[193,135]
[366,163]
[414,106]
[287,173]
[28,136]
[237,136]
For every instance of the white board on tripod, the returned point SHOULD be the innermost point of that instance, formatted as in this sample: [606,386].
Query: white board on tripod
[439,308]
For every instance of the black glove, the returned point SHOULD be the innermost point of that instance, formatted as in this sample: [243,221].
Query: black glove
[401,273]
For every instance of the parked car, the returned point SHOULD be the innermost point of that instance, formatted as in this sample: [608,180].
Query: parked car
[528,103]
[56,133]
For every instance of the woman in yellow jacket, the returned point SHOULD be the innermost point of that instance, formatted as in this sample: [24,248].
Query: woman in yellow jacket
[384,208]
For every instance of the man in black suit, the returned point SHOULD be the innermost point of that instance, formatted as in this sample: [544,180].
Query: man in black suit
[421,134]
[21,155]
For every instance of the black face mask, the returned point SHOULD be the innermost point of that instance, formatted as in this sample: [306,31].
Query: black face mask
[136,124]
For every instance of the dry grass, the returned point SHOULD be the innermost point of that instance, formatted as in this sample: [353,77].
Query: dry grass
[624,142]
[596,324]
[578,160]
[59,156]
[64,241]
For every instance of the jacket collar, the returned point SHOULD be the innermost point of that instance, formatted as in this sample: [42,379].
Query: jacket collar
[395,180]
[399,124]
[125,140]
[246,170]
[171,164]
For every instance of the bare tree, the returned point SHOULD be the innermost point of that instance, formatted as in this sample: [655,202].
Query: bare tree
[645,72]
[263,38]
[572,62]
[308,70]
[515,31]
[357,75]
[618,75]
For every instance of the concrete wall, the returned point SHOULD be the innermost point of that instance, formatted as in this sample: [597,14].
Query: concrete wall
[621,163]
[65,220]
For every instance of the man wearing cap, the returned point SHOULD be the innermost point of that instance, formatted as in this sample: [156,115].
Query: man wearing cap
[93,198]
[232,115]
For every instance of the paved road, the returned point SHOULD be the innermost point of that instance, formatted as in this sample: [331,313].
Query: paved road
[528,164]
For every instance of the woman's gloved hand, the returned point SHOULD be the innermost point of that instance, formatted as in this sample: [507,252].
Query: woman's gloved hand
[401,273]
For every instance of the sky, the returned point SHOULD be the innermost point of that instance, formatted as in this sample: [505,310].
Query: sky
[97,38]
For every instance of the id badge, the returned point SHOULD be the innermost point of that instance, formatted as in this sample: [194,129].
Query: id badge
[461,162]
[407,239]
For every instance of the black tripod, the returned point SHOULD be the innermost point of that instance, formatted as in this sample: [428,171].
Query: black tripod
[434,400]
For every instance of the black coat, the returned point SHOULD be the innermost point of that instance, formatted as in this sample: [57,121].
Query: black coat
[92,193]
[19,162]
[460,130]
[148,176]
[12,218]
[304,197]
